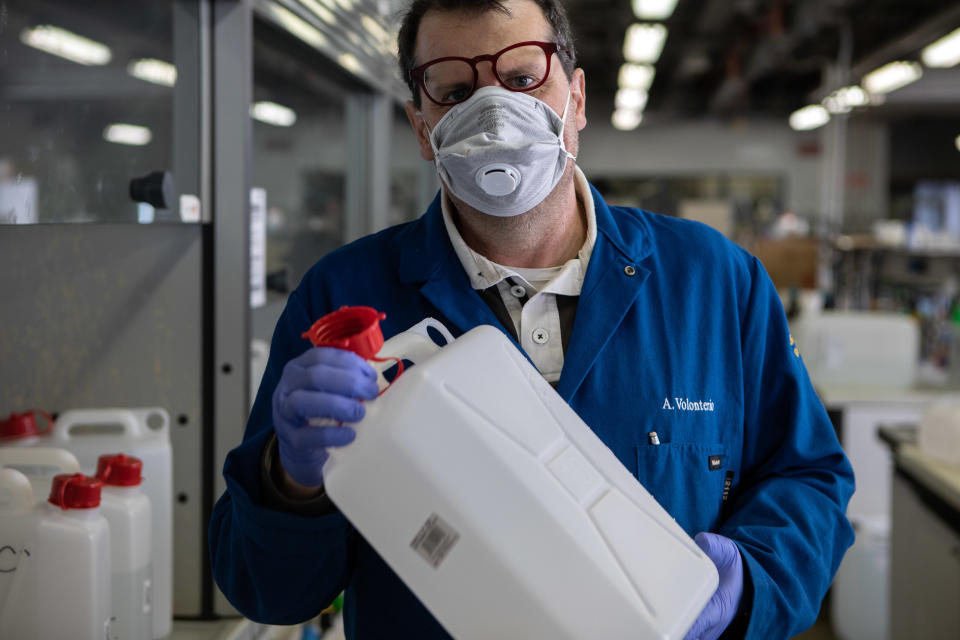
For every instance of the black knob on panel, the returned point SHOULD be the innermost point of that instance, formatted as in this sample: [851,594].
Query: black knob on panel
[154,188]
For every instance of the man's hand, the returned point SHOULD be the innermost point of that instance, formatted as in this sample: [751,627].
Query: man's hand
[321,383]
[722,607]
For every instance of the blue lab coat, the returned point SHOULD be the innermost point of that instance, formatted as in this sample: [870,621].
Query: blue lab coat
[691,342]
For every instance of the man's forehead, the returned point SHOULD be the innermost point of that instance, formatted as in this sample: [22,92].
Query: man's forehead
[469,34]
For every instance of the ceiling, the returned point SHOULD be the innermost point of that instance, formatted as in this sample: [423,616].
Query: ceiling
[730,58]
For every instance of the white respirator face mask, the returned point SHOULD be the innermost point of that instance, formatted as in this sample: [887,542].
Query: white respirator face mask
[501,152]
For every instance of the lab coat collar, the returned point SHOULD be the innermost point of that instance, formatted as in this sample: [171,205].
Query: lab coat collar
[613,281]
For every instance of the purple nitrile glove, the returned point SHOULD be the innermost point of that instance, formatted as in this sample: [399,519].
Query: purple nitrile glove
[324,383]
[722,607]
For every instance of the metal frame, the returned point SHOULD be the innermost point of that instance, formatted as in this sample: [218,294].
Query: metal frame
[232,71]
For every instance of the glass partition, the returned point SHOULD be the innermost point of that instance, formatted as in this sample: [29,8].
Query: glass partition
[86,106]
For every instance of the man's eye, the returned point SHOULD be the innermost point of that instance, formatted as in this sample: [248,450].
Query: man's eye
[520,82]
[456,95]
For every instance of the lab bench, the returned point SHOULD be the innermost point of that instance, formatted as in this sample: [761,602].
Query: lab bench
[925,540]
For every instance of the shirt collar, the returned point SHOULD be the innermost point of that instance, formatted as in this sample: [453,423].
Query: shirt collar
[485,273]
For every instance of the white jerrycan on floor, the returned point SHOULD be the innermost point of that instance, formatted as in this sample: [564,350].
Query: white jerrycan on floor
[127,510]
[144,434]
[60,588]
[500,508]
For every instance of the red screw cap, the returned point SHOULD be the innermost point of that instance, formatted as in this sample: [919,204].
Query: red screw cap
[354,329]
[119,470]
[75,491]
[22,425]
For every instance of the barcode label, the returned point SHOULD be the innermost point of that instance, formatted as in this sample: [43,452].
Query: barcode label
[434,540]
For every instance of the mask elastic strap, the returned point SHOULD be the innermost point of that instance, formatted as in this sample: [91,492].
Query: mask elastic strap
[563,124]
[436,152]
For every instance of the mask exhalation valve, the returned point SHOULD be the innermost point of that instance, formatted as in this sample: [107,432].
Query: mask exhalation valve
[498,179]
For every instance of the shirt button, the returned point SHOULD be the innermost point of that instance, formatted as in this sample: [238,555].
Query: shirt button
[518,291]
[540,336]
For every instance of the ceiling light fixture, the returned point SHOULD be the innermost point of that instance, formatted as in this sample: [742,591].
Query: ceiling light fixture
[636,76]
[349,62]
[892,76]
[809,118]
[957,142]
[845,99]
[299,27]
[631,99]
[322,12]
[66,44]
[943,53]
[152,70]
[626,120]
[127,134]
[273,113]
[653,9]
[644,42]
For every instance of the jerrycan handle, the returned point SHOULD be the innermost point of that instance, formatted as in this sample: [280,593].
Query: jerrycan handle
[77,423]
[414,344]
[16,493]
[39,461]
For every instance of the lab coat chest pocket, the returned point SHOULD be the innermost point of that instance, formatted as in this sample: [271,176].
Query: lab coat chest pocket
[687,479]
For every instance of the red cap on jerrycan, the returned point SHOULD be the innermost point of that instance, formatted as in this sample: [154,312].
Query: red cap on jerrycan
[119,470]
[355,329]
[23,425]
[75,491]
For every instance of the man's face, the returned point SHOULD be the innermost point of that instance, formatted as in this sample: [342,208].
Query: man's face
[468,35]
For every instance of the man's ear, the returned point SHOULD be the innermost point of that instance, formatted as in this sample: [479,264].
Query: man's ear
[420,130]
[578,96]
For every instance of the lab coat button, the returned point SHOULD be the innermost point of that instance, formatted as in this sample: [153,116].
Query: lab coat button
[540,336]
[518,291]
[630,270]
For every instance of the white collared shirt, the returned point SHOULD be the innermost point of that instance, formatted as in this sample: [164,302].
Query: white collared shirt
[530,295]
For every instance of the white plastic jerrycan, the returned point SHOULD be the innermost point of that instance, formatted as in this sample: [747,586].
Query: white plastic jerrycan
[127,510]
[61,586]
[143,434]
[485,492]
[17,503]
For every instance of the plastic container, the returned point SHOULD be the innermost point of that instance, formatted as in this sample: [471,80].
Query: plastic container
[500,508]
[39,465]
[61,586]
[127,510]
[144,434]
[16,521]
[939,433]
[860,601]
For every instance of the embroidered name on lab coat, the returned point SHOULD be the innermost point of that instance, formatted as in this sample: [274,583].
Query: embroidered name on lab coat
[686,404]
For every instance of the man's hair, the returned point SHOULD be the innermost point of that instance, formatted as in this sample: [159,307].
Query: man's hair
[407,40]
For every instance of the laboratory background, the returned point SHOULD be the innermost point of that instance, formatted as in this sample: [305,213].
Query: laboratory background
[170,169]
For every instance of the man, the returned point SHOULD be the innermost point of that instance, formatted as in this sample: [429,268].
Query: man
[669,341]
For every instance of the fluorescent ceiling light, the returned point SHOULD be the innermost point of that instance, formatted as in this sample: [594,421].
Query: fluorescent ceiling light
[653,9]
[626,120]
[155,71]
[631,99]
[845,99]
[66,44]
[644,42]
[299,27]
[321,11]
[127,134]
[891,77]
[957,142]
[809,117]
[943,53]
[273,113]
[636,76]
[349,62]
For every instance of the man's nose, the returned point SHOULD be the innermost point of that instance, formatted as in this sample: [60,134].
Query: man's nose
[485,75]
